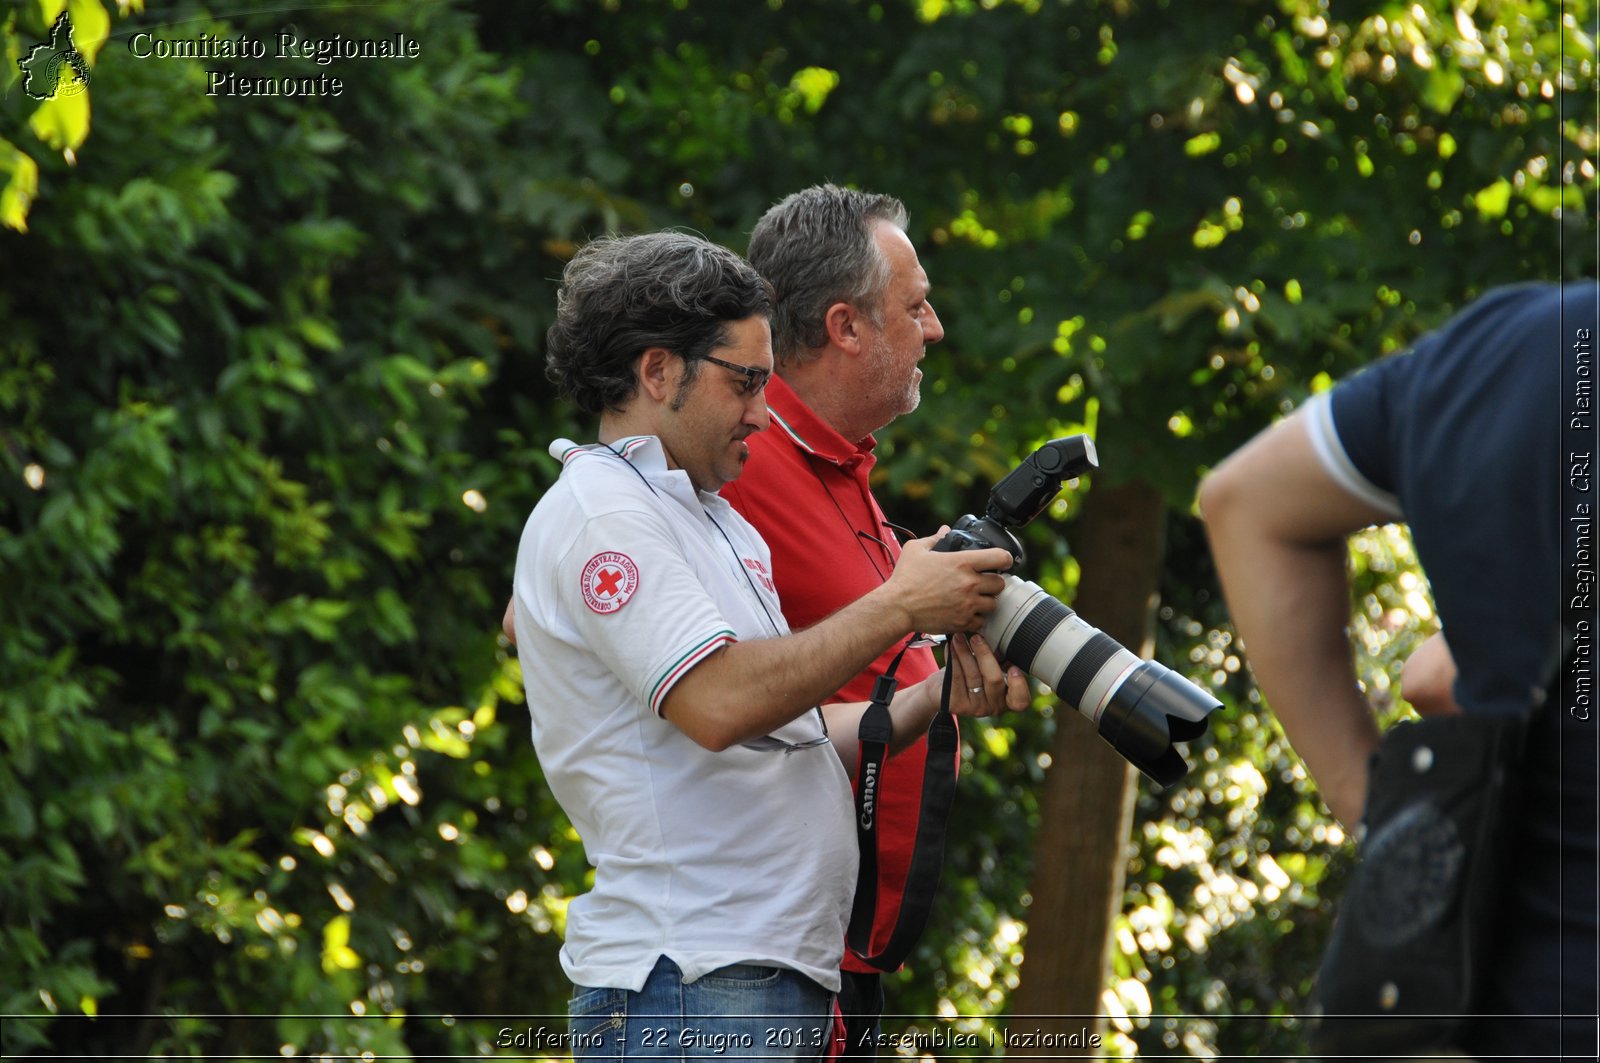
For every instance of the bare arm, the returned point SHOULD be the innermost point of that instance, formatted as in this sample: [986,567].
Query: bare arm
[1277,524]
[751,688]
[1429,677]
[912,710]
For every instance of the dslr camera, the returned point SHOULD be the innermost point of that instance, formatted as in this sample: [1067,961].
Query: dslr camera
[1142,708]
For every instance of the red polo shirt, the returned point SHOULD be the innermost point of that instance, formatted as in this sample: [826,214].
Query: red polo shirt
[805,489]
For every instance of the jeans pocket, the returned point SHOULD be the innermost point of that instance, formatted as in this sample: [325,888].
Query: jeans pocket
[753,1011]
[742,976]
[597,1022]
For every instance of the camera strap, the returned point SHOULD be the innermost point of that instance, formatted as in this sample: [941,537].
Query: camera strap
[927,857]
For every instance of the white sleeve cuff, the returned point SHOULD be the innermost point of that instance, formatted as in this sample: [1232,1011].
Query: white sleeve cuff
[1336,462]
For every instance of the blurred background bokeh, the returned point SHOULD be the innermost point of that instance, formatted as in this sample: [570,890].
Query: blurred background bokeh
[273,413]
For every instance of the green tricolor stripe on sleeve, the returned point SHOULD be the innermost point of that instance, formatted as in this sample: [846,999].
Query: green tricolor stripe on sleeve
[698,653]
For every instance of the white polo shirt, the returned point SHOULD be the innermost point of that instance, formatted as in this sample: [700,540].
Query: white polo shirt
[626,578]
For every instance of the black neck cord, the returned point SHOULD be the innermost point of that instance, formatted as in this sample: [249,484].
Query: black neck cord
[733,549]
[855,532]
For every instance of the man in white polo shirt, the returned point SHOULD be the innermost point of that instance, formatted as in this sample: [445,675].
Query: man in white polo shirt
[673,713]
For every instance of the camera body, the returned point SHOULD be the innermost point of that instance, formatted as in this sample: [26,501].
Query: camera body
[1140,707]
[979,533]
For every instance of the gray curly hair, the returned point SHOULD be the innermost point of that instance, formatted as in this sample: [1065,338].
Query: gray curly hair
[816,249]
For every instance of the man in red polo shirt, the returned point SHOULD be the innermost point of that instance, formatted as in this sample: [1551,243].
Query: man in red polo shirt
[851,320]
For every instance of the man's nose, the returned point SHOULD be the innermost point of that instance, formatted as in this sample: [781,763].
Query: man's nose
[756,414]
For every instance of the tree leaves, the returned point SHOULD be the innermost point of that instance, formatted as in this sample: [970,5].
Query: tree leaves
[272,412]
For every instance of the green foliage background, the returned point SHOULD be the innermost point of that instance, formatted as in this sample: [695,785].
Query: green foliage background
[272,413]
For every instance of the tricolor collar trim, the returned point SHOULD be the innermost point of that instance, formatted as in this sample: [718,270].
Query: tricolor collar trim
[799,440]
[790,413]
[565,449]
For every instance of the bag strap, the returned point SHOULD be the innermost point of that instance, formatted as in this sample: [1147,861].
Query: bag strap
[927,856]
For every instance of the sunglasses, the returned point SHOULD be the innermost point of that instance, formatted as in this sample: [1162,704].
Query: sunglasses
[754,379]
[769,743]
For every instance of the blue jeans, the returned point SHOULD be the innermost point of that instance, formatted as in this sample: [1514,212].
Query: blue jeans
[734,1013]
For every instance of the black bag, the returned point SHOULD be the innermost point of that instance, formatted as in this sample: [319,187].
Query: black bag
[1406,960]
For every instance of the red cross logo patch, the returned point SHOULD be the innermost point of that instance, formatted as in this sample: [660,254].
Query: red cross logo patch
[609,580]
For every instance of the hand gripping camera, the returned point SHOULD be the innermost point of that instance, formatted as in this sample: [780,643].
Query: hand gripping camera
[1139,706]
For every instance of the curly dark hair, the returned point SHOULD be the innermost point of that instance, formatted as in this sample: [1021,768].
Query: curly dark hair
[622,295]
[816,248]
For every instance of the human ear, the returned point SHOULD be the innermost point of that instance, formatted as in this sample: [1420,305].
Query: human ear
[658,369]
[843,324]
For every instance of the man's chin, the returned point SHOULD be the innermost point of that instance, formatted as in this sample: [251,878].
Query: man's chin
[730,472]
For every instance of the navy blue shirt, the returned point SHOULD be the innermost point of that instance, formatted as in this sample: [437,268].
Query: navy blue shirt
[1461,437]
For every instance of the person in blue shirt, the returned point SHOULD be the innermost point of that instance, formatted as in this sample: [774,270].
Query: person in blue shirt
[1460,437]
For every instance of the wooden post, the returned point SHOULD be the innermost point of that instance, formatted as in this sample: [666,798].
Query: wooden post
[1086,810]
